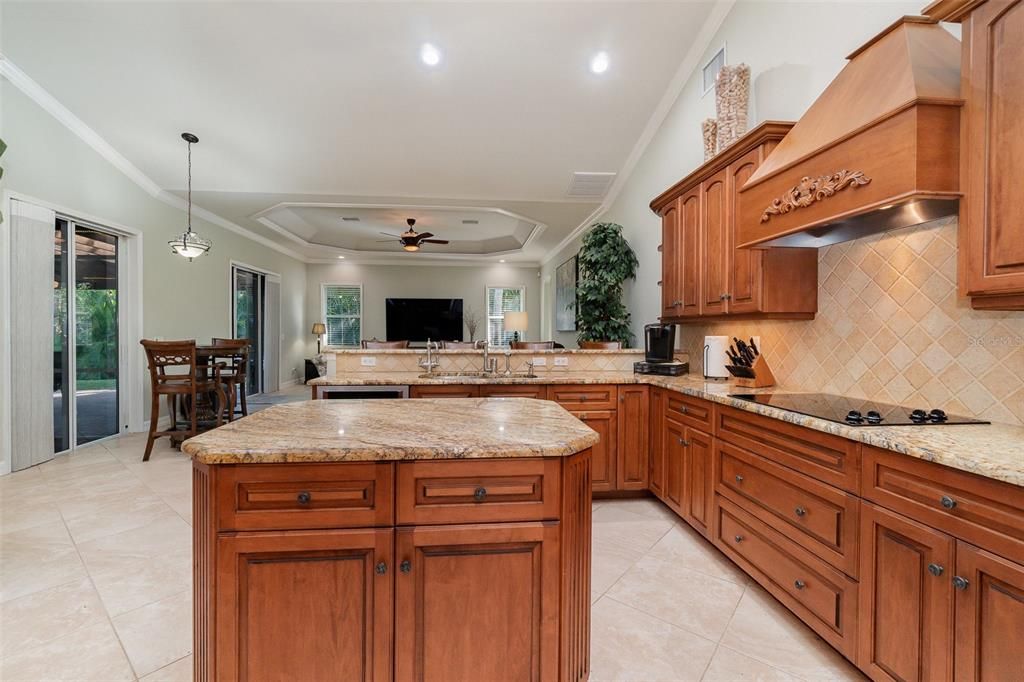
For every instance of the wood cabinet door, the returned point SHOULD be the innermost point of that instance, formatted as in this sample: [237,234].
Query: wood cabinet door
[278,593]
[477,602]
[688,253]
[714,280]
[991,212]
[744,267]
[989,616]
[671,303]
[634,438]
[697,480]
[535,391]
[675,453]
[906,598]
[604,456]
[444,391]
[656,460]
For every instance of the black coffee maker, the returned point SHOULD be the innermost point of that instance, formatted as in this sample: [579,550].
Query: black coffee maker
[659,352]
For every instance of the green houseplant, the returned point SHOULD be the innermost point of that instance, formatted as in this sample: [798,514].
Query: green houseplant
[606,260]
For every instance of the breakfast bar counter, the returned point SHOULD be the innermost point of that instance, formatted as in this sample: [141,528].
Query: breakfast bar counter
[377,540]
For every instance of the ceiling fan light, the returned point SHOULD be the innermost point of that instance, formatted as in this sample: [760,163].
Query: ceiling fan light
[411,247]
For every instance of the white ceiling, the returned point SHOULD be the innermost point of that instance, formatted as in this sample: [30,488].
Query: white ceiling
[325,102]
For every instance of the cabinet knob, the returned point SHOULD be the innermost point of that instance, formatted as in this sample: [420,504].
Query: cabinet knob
[935,569]
[381,568]
[739,478]
[947,502]
[799,584]
[685,443]
[800,511]
[676,304]
[480,493]
[960,583]
[681,409]
[583,398]
[405,566]
[738,538]
[304,497]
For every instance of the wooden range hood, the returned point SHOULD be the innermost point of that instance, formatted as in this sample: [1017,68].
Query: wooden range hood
[878,150]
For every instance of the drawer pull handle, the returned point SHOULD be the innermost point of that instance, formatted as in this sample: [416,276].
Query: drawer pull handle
[685,443]
[947,502]
[739,478]
[935,569]
[738,538]
[800,584]
[681,409]
[960,583]
[583,398]
[304,497]
[381,568]
[405,566]
[800,511]
[479,494]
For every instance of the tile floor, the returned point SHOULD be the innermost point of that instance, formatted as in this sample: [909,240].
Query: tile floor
[95,584]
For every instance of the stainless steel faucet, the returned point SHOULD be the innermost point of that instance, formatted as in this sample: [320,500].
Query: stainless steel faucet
[431,363]
[490,364]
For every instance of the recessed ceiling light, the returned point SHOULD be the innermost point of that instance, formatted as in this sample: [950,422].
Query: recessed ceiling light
[501,260]
[430,55]
[599,62]
[341,258]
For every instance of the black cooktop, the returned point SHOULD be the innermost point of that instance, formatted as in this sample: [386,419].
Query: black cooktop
[854,411]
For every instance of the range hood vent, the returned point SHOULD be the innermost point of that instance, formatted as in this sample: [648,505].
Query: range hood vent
[878,150]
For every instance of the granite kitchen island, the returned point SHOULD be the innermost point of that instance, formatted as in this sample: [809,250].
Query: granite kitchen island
[393,539]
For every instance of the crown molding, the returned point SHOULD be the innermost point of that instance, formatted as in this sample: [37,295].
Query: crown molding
[686,69]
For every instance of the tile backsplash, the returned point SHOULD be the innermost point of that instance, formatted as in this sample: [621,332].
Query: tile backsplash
[891,327]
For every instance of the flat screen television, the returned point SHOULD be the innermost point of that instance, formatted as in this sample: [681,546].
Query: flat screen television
[419,319]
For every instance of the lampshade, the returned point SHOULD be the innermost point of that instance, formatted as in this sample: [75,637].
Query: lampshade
[319,328]
[516,322]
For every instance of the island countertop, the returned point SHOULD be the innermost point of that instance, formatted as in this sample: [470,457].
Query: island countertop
[383,430]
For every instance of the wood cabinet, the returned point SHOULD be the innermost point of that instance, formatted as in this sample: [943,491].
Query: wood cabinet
[535,391]
[656,459]
[604,457]
[991,248]
[497,587]
[444,391]
[633,438]
[704,274]
[688,484]
[906,598]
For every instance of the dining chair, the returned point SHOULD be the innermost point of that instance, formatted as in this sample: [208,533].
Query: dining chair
[460,345]
[172,373]
[601,345]
[380,345]
[234,372]
[532,345]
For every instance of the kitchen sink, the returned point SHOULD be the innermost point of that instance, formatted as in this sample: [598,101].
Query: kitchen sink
[478,375]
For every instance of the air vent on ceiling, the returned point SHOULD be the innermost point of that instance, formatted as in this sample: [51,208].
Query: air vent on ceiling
[592,185]
[470,222]
[350,219]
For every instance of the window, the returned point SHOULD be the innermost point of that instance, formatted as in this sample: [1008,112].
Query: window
[343,313]
[711,69]
[501,300]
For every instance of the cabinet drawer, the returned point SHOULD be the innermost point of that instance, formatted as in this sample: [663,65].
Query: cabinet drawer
[575,397]
[820,595]
[828,458]
[473,492]
[444,391]
[688,410]
[295,496]
[538,391]
[816,516]
[981,511]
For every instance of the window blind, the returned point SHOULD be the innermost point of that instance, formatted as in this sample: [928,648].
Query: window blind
[501,300]
[343,313]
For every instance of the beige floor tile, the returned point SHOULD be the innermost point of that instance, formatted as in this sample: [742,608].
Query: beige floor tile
[693,601]
[89,653]
[647,507]
[687,548]
[764,630]
[26,512]
[36,559]
[731,666]
[626,644]
[111,516]
[43,616]
[134,548]
[132,584]
[157,634]
[609,562]
[629,530]
[179,671]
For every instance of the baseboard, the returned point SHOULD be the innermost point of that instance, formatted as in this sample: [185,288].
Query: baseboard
[162,424]
[289,383]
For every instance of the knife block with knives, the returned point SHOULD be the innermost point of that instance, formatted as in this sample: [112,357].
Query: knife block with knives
[748,366]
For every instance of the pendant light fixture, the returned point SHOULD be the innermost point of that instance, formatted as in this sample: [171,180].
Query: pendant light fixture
[190,245]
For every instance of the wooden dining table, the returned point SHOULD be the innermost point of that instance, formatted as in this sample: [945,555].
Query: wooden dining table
[209,402]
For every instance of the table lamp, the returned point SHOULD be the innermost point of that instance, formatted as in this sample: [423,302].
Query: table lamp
[319,329]
[516,322]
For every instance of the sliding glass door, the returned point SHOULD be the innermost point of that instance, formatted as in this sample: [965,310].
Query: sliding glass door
[86,360]
[249,306]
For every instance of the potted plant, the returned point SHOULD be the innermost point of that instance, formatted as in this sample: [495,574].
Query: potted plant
[606,260]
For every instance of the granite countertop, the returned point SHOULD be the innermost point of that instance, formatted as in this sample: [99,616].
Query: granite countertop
[479,351]
[992,450]
[381,430]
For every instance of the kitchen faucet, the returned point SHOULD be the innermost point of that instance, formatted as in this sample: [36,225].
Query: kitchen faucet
[431,363]
[490,364]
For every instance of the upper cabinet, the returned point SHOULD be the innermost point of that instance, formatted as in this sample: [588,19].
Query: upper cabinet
[991,257]
[704,274]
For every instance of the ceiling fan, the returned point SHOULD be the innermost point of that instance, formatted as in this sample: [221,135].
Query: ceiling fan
[410,239]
